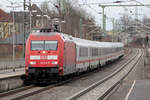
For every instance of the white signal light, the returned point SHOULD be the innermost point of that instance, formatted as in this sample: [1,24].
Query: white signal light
[34,57]
[54,62]
[32,62]
[44,52]
[54,57]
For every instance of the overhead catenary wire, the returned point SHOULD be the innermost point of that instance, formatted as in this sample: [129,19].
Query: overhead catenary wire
[98,3]
[140,3]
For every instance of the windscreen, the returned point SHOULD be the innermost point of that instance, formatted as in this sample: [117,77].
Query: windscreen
[44,45]
[50,45]
[37,45]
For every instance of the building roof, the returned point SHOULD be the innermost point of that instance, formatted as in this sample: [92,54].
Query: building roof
[37,9]
[4,17]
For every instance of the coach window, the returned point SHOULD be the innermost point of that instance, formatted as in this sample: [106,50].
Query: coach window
[51,45]
[113,50]
[99,52]
[94,51]
[83,52]
[102,53]
[116,49]
[37,45]
[108,51]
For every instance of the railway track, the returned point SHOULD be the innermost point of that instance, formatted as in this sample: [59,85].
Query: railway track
[90,93]
[32,90]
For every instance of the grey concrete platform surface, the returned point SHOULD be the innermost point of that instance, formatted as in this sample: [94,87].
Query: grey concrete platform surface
[10,74]
[140,90]
[7,71]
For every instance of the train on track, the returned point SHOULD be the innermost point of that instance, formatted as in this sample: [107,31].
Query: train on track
[50,56]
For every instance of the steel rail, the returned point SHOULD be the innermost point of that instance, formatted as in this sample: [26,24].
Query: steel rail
[82,92]
[107,93]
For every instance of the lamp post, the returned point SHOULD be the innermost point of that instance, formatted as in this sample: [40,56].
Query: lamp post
[81,35]
[113,24]
[30,12]
[103,16]
[113,28]
[14,46]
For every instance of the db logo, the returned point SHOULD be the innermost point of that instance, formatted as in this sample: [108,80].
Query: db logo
[43,57]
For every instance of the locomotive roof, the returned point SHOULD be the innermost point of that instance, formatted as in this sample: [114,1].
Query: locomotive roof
[44,33]
[81,42]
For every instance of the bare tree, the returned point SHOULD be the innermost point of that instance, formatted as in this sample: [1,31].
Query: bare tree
[70,12]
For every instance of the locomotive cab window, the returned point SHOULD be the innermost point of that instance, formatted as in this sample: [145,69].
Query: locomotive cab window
[37,45]
[44,45]
[51,45]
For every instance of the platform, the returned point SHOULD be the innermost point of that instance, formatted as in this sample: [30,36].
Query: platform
[10,73]
[10,79]
[7,66]
[140,90]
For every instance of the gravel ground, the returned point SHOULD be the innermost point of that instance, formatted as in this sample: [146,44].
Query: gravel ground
[64,91]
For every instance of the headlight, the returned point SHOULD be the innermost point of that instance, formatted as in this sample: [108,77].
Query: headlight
[34,57]
[32,62]
[54,62]
[52,57]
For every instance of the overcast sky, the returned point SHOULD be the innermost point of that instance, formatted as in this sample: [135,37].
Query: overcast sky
[94,10]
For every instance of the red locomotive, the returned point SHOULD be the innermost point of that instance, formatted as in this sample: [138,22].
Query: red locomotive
[52,55]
